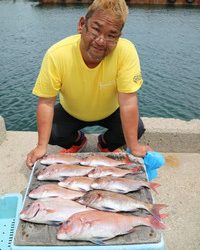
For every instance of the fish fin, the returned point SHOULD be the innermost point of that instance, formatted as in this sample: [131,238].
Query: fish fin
[61,178]
[54,223]
[155,210]
[79,199]
[98,240]
[153,186]
[120,191]
[136,169]
[156,223]
[127,160]
[50,211]
[109,209]
[163,216]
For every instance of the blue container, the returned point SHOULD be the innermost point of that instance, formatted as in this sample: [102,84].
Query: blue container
[10,205]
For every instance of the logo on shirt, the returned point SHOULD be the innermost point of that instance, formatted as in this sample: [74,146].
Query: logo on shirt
[137,78]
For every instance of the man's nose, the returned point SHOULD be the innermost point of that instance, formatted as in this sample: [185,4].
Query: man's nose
[101,40]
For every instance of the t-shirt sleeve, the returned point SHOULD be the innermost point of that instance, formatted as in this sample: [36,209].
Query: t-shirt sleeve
[129,78]
[48,82]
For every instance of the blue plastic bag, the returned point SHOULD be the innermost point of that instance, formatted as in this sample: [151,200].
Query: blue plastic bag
[152,160]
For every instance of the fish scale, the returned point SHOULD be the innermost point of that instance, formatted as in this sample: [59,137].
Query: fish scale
[101,160]
[51,210]
[60,158]
[97,226]
[122,185]
[53,190]
[115,202]
[59,171]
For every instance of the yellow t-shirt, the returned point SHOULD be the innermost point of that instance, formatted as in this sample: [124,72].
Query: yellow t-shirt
[85,93]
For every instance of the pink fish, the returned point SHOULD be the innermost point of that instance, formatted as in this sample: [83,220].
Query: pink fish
[115,202]
[122,185]
[59,171]
[53,190]
[97,226]
[60,158]
[51,211]
[80,183]
[100,160]
[103,171]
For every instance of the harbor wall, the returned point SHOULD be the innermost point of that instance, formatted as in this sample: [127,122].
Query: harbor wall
[131,2]
[162,134]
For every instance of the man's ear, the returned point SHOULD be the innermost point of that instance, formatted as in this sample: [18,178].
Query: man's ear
[81,24]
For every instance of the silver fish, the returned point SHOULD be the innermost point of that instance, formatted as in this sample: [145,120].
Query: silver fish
[114,202]
[103,171]
[60,158]
[122,185]
[97,226]
[53,190]
[80,183]
[59,171]
[100,160]
[51,211]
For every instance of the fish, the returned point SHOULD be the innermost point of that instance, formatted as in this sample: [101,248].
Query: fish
[80,183]
[122,185]
[102,171]
[98,226]
[101,160]
[60,171]
[51,211]
[53,190]
[115,202]
[60,158]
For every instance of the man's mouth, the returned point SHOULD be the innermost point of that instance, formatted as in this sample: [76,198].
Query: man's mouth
[100,49]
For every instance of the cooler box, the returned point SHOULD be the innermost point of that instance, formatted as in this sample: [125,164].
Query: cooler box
[10,205]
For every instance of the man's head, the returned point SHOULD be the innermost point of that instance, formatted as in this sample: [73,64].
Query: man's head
[117,7]
[101,28]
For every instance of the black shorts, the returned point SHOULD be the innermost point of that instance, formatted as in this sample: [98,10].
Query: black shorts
[65,129]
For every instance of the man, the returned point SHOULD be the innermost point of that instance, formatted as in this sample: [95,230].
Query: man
[97,75]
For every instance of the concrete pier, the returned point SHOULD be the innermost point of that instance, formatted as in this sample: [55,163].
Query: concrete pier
[162,134]
[179,178]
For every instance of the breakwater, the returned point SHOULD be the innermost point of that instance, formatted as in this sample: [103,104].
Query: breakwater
[151,2]
[162,134]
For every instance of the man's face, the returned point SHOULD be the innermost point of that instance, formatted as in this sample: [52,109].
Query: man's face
[99,36]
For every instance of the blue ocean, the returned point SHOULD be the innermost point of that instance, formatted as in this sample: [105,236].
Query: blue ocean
[167,40]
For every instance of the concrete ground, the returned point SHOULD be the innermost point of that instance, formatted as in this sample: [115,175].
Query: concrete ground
[179,189]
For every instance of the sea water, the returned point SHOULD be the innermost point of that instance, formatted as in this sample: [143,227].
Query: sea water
[167,40]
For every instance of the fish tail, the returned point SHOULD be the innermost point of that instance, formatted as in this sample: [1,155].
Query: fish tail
[163,216]
[153,186]
[136,169]
[156,209]
[154,223]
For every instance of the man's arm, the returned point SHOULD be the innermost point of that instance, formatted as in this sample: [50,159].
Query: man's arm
[129,117]
[45,111]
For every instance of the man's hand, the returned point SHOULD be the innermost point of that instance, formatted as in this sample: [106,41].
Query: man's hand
[140,150]
[34,155]
[45,111]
